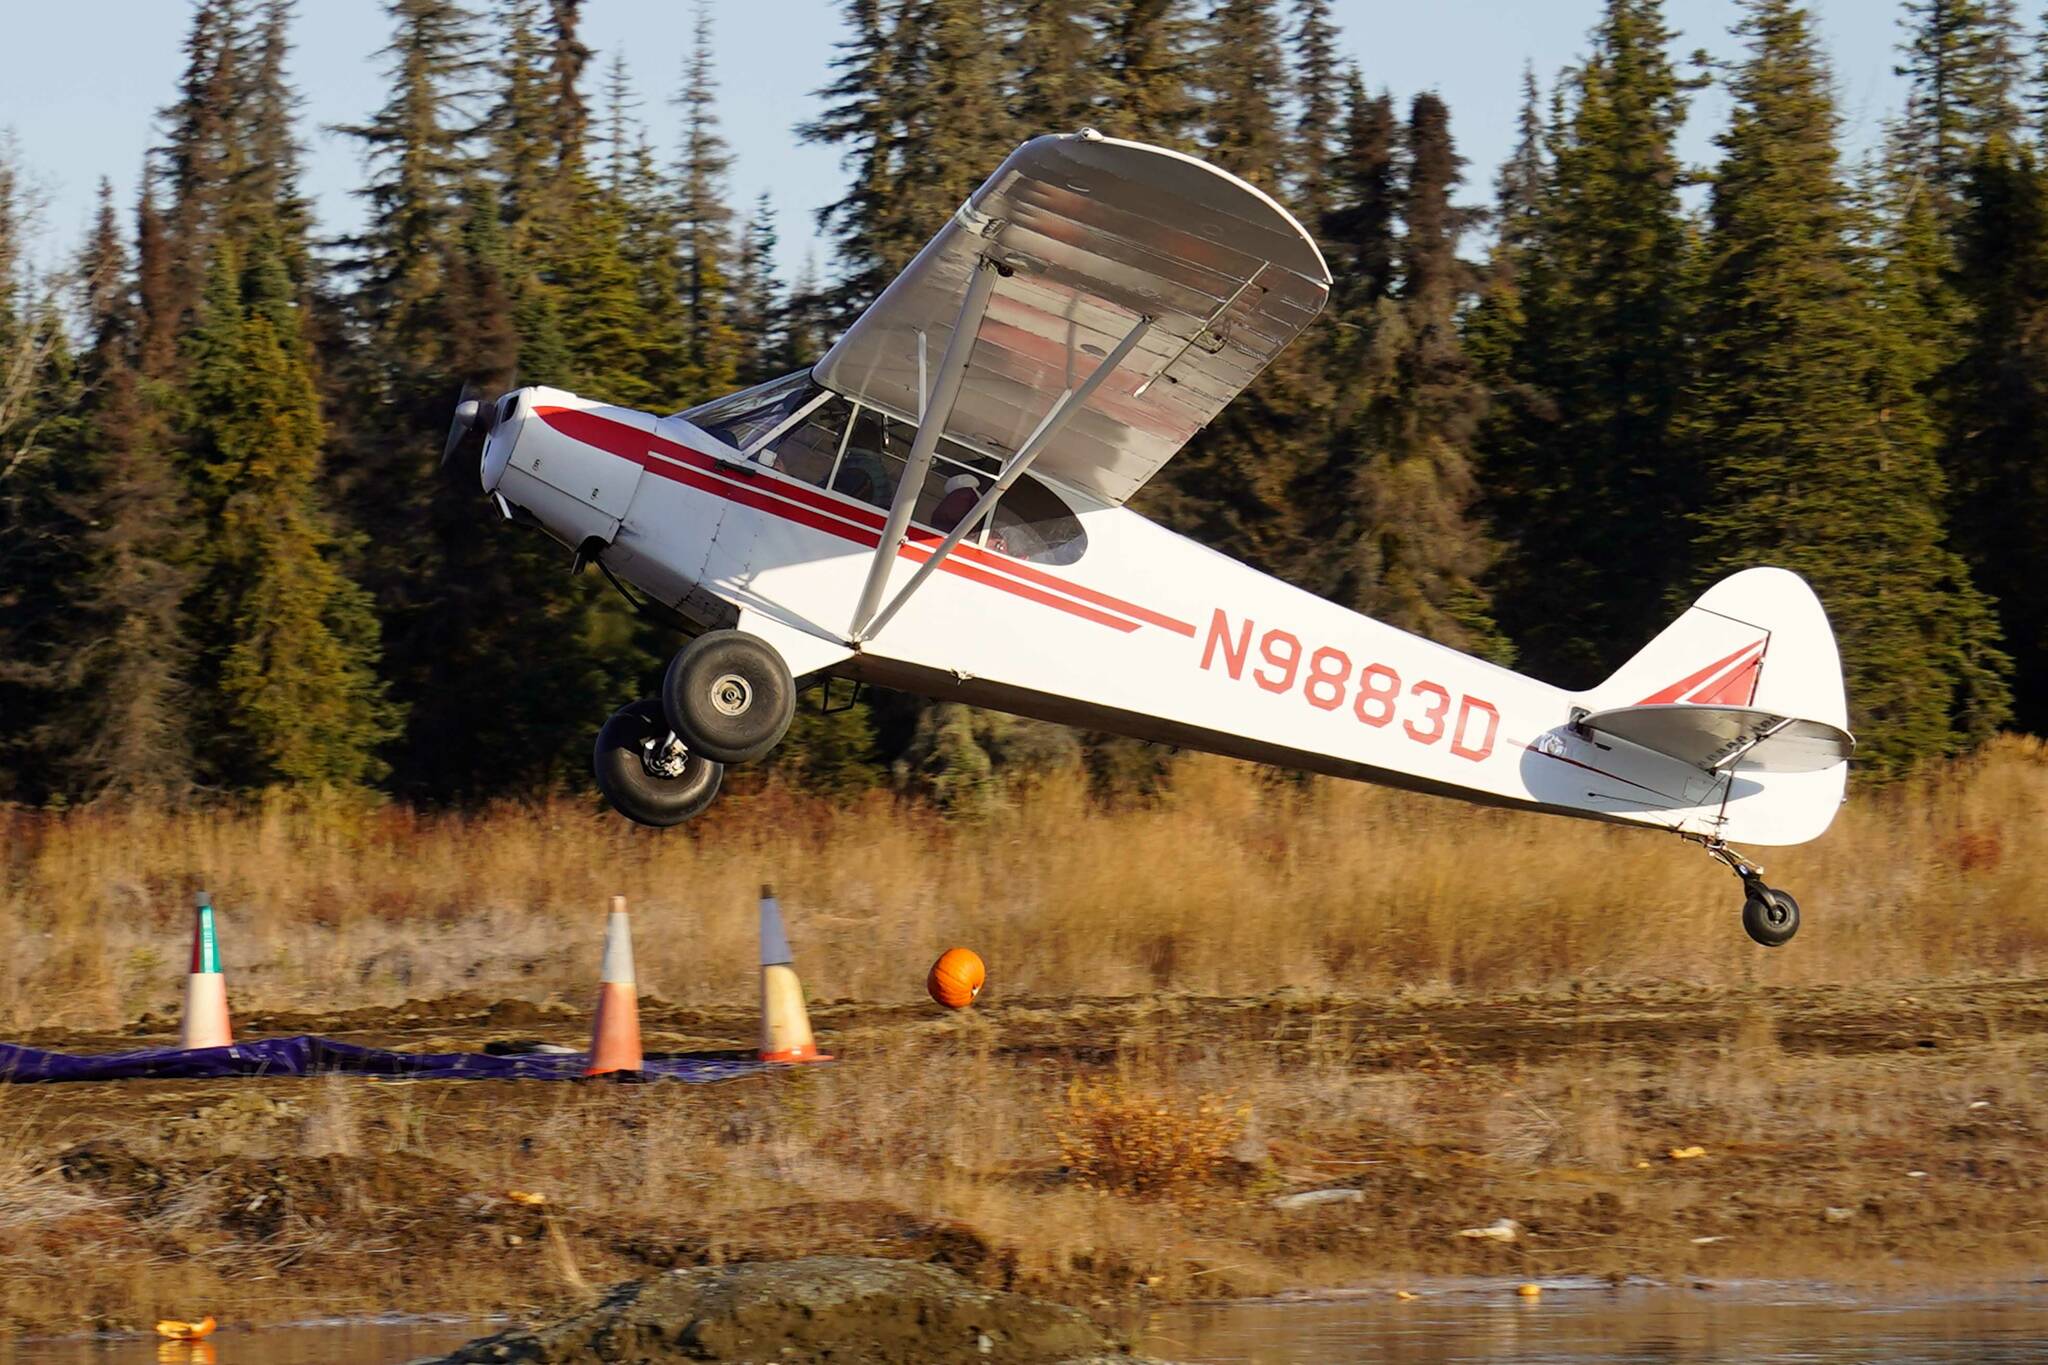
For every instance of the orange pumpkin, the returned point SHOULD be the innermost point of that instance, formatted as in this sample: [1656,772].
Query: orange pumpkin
[956,978]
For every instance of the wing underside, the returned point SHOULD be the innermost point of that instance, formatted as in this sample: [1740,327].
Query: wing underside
[1092,236]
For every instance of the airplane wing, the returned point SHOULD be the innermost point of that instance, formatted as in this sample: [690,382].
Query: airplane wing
[1091,236]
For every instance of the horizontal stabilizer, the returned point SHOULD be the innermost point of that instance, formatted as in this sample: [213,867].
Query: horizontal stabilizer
[1720,738]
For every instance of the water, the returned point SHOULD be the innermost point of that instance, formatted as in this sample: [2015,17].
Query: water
[1584,1325]
[1569,1325]
[377,1342]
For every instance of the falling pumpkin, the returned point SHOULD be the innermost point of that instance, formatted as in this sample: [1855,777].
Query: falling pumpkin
[956,978]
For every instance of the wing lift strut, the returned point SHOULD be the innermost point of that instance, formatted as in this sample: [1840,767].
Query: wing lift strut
[867,620]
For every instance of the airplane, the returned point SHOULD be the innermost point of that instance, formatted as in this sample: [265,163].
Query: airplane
[939,505]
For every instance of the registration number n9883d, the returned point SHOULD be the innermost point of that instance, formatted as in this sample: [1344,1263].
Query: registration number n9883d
[1373,695]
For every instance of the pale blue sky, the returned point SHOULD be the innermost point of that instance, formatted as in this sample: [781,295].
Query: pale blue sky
[84,80]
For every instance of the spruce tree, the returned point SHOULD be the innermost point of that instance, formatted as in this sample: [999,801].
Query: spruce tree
[568,57]
[1357,229]
[41,478]
[757,306]
[1963,65]
[287,644]
[953,133]
[1054,61]
[123,728]
[1237,486]
[710,359]
[652,247]
[1149,95]
[1519,188]
[1320,90]
[269,113]
[861,121]
[1584,476]
[1359,237]
[1245,79]
[1997,387]
[1816,459]
[1411,404]
[203,155]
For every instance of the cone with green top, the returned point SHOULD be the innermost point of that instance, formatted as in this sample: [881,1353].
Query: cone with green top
[206,990]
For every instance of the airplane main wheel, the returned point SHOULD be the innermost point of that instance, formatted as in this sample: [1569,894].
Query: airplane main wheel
[729,695]
[1770,916]
[646,773]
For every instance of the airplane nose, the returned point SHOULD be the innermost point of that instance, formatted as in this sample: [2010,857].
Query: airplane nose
[498,443]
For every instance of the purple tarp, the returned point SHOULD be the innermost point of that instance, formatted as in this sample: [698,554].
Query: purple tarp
[307,1055]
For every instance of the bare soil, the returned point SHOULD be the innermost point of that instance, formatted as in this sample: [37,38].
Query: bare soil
[1850,1134]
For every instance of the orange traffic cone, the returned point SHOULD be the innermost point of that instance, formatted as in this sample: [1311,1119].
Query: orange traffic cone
[615,1037]
[206,990]
[785,1024]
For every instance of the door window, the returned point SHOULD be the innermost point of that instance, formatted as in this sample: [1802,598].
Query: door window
[808,449]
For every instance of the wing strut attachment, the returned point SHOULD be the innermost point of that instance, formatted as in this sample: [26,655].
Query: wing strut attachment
[1061,412]
[931,421]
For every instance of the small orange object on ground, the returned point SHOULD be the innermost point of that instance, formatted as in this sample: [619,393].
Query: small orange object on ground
[186,1331]
[957,978]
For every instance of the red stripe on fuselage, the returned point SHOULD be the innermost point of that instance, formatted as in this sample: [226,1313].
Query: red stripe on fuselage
[857,522]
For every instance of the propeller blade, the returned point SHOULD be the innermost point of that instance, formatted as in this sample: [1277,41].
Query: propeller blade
[467,410]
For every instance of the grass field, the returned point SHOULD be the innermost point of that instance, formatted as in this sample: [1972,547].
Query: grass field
[1235,881]
[1110,1154]
[1248,988]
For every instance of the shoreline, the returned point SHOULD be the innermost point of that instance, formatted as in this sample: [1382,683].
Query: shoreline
[1107,1154]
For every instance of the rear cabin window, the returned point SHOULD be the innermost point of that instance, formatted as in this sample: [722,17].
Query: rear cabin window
[861,453]
[1033,522]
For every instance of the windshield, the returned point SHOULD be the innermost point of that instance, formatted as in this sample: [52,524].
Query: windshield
[797,429]
[743,418]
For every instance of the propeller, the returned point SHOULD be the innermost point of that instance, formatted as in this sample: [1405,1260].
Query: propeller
[470,415]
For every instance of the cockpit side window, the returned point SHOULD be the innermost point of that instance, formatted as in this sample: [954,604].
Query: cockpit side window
[745,417]
[808,449]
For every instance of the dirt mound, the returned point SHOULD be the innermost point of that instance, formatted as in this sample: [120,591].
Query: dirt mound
[823,1308]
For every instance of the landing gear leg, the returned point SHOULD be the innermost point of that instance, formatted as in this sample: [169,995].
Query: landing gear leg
[1769,916]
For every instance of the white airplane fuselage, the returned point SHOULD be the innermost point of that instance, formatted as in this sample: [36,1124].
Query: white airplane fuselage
[1146,633]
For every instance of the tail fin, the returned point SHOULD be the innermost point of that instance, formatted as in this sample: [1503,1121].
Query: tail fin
[1756,648]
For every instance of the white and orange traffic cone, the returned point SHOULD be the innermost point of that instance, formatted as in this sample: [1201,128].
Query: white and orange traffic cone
[206,990]
[615,1036]
[785,1023]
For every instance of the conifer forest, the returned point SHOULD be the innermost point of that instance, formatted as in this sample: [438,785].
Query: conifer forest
[1550,400]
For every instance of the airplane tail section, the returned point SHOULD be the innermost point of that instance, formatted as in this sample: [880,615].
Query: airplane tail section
[1745,686]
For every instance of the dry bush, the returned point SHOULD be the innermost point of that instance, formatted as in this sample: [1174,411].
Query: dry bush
[1123,1140]
[1234,881]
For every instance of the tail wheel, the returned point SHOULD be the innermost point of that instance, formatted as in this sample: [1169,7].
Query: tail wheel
[646,774]
[729,695]
[1770,916]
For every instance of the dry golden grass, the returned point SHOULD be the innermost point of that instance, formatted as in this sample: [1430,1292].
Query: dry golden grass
[1115,1137]
[936,1146]
[1233,882]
